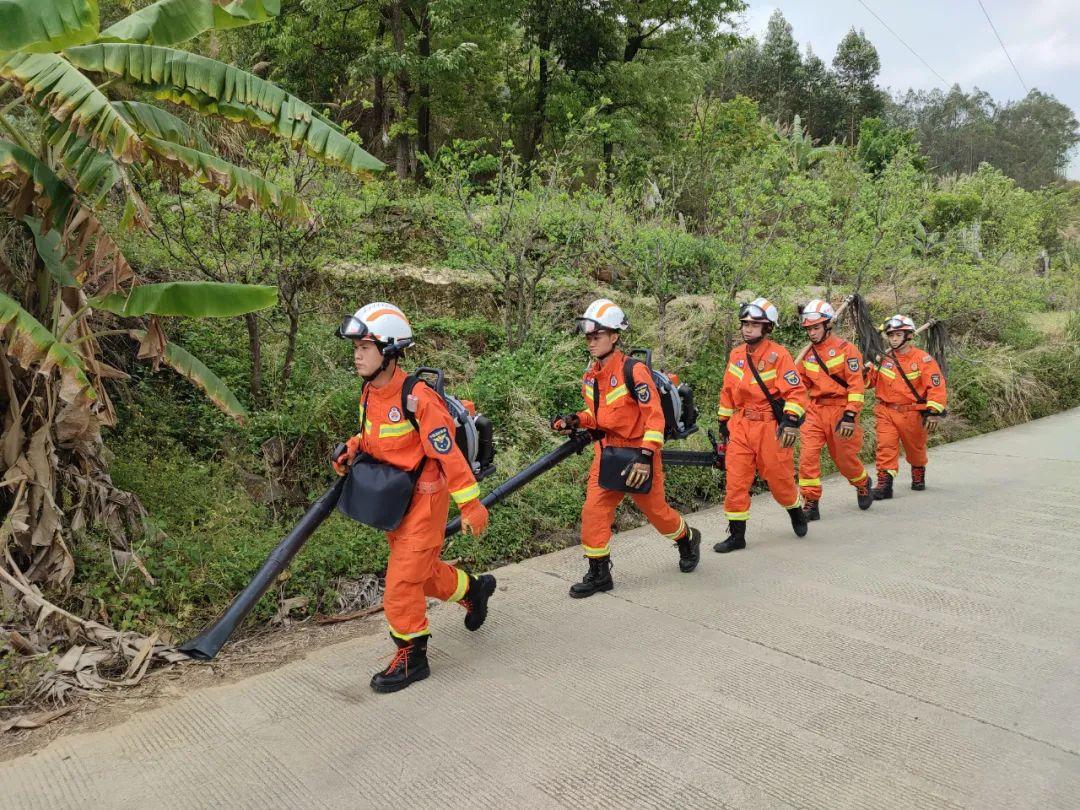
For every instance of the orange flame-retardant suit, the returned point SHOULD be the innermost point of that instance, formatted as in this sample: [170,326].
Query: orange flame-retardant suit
[829,399]
[628,418]
[899,414]
[415,570]
[752,442]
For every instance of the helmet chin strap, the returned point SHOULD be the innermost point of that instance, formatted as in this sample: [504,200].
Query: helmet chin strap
[604,357]
[382,367]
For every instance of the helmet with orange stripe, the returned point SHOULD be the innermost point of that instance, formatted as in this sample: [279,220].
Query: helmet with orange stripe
[760,310]
[602,314]
[383,324]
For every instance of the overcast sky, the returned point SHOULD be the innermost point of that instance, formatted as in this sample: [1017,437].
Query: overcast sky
[953,36]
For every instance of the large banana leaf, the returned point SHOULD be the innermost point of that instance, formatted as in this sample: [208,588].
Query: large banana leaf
[55,83]
[31,344]
[170,22]
[150,120]
[187,365]
[246,188]
[44,26]
[189,299]
[212,86]
[93,172]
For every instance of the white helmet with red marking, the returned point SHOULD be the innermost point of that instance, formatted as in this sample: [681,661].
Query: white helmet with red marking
[760,310]
[383,324]
[898,323]
[817,311]
[602,314]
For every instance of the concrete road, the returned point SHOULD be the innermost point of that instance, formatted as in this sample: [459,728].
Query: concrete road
[923,654]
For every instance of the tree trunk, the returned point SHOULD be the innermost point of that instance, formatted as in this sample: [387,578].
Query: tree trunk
[379,102]
[255,349]
[423,110]
[403,149]
[536,130]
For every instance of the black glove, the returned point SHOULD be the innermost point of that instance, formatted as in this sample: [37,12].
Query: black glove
[725,432]
[565,422]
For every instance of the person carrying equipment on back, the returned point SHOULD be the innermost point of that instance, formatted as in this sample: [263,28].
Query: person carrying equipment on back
[762,404]
[420,438]
[627,456]
[833,374]
[911,399]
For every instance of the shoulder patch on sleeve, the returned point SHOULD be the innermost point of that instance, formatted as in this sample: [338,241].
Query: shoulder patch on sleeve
[792,377]
[853,363]
[935,379]
[641,391]
[440,440]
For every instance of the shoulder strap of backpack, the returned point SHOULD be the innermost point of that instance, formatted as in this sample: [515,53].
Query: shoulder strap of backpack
[839,380]
[406,391]
[900,368]
[628,373]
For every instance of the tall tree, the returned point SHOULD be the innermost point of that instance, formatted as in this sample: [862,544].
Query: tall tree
[857,65]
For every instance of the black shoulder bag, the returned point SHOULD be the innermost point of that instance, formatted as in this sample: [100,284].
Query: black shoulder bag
[616,462]
[378,494]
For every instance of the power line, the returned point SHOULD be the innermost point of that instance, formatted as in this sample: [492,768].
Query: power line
[913,51]
[1002,44]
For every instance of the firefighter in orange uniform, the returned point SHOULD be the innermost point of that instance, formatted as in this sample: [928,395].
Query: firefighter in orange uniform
[628,417]
[911,399]
[380,334]
[760,430]
[833,374]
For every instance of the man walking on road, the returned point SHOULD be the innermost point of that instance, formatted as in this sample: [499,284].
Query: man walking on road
[832,371]
[762,404]
[911,400]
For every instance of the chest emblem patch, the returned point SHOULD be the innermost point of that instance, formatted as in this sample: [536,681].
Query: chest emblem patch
[760,365]
[832,352]
[395,414]
[614,381]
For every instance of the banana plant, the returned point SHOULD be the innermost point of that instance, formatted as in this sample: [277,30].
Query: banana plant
[87,115]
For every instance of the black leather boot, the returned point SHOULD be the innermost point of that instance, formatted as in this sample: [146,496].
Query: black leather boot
[918,478]
[736,538]
[596,580]
[810,509]
[689,550]
[863,494]
[476,598]
[408,665]
[798,521]
[883,490]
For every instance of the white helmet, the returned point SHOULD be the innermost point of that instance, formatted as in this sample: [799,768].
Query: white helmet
[760,310]
[383,324]
[898,323]
[602,314]
[817,311]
